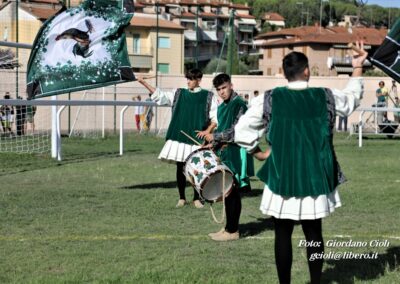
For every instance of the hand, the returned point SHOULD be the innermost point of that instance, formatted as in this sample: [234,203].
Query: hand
[209,137]
[359,55]
[207,146]
[261,156]
[201,134]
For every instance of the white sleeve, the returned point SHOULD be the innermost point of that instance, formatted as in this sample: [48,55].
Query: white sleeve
[213,110]
[163,97]
[348,100]
[250,127]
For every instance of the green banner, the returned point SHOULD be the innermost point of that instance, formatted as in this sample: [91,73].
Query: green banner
[81,48]
[387,56]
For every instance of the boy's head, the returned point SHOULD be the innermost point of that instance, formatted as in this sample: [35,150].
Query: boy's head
[223,85]
[381,84]
[255,94]
[193,77]
[295,67]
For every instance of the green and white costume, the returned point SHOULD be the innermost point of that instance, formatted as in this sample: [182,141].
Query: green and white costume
[233,156]
[191,111]
[301,174]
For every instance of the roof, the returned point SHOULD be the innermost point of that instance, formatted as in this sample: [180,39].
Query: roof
[273,17]
[208,15]
[45,1]
[152,22]
[244,16]
[41,13]
[370,36]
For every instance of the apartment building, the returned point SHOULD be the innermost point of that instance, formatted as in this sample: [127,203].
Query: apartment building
[326,48]
[206,23]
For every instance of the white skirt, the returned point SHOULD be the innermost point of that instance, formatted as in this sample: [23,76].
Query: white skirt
[174,151]
[299,208]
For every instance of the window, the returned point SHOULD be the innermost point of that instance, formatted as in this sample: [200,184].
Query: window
[269,55]
[136,44]
[164,42]
[163,68]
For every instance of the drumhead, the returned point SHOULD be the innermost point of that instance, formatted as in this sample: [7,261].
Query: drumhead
[212,188]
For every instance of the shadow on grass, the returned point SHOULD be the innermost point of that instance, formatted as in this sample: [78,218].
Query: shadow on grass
[154,185]
[30,164]
[253,193]
[257,227]
[346,271]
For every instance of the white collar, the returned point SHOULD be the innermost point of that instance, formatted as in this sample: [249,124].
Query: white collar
[298,85]
[195,90]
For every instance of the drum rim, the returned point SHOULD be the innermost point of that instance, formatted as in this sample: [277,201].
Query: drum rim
[220,198]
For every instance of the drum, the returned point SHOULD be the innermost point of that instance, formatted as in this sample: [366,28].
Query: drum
[208,175]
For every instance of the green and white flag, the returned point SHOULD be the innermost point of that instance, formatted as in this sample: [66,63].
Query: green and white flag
[387,56]
[81,48]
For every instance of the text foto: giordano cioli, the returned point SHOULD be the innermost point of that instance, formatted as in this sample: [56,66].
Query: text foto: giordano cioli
[346,244]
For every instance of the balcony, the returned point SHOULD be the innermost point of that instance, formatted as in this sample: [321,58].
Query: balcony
[246,28]
[141,60]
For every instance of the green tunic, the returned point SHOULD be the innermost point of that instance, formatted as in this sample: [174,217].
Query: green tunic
[189,115]
[302,159]
[233,156]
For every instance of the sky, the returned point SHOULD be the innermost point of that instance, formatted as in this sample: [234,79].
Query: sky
[385,3]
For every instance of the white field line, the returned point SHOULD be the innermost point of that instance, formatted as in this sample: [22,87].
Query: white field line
[160,237]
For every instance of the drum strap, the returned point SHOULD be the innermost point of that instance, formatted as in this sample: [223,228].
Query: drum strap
[223,202]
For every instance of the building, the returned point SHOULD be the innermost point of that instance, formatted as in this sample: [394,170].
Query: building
[206,24]
[141,38]
[273,19]
[326,48]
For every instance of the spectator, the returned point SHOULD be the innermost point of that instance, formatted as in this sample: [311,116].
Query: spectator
[148,112]
[397,114]
[393,90]
[342,122]
[246,99]
[30,118]
[7,114]
[255,95]
[139,110]
[382,95]
[20,118]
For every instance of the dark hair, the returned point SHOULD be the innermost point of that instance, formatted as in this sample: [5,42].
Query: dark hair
[194,74]
[381,83]
[294,64]
[256,92]
[221,79]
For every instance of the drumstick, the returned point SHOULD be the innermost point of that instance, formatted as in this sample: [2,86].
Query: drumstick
[149,77]
[188,136]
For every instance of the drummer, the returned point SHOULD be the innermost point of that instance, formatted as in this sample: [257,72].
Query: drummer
[233,156]
[193,109]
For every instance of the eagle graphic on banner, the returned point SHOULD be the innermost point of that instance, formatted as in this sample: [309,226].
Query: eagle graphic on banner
[81,48]
[82,39]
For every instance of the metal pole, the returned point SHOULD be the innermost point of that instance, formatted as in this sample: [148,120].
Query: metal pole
[103,117]
[115,110]
[320,18]
[17,51]
[54,129]
[157,31]
[197,37]
[121,131]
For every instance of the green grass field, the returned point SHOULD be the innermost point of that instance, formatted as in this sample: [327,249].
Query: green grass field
[97,217]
